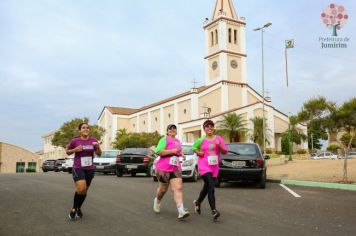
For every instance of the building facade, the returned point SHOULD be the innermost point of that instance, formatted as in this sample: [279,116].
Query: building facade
[51,152]
[14,159]
[225,91]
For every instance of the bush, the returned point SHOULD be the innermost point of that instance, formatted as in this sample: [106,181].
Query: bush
[333,148]
[29,170]
[269,151]
[132,140]
[301,151]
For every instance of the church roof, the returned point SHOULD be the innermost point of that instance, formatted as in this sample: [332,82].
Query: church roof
[224,8]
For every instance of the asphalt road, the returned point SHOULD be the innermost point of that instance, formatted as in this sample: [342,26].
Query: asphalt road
[38,204]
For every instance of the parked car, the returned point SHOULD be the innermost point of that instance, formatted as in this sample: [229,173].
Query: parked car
[351,155]
[48,165]
[312,155]
[133,161]
[106,163]
[325,155]
[68,164]
[189,165]
[59,165]
[243,162]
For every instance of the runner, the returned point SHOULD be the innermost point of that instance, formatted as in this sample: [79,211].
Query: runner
[84,147]
[169,172]
[208,148]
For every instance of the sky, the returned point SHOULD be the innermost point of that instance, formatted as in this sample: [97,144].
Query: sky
[62,59]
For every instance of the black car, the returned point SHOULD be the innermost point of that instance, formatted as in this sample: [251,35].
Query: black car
[243,162]
[133,161]
[49,165]
[59,165]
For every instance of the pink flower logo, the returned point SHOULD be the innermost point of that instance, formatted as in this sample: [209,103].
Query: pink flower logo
[334,17]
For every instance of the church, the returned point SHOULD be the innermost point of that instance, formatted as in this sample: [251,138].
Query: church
[226,90]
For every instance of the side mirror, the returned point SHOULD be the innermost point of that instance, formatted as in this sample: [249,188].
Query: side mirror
[267,157]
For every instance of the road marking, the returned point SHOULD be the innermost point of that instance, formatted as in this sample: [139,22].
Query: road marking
[290,190]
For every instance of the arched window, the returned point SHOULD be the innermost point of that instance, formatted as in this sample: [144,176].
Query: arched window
[216,37]
[212,38]
[229,35]
[235,36]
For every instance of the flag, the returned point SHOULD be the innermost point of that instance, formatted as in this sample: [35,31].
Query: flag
[289,43]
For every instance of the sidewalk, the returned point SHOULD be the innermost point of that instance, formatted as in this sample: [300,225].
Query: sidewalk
[327,171]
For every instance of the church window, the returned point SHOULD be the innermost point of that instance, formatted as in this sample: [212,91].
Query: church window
[212,38]
[229,35]
[235,36]
[156,119]
[216,37]
[169,115]
[185,111]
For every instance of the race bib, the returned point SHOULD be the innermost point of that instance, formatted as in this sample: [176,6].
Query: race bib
[213,160]
[173,161]
[86,161]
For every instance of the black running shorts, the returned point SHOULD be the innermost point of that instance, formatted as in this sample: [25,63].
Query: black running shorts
[80,174]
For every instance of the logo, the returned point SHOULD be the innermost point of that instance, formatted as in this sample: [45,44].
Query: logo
[334,17]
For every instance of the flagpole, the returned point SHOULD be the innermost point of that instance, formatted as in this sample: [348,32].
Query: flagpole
[288,44]
[289,131]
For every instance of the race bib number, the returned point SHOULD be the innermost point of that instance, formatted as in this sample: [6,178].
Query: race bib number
[86,161]
[213,160]
[173,160]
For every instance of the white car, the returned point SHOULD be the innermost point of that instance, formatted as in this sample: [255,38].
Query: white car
[325,155]
[189,165]
[68,164]
[106,163]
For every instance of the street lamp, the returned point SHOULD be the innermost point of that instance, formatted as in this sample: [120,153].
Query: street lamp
[263,90]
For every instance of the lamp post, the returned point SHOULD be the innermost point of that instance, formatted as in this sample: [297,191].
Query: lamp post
[263,89]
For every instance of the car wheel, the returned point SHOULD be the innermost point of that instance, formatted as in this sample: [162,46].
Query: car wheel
[133,174]
[105,173]
[195,175]
[119,173]
[262,182]
[218,183]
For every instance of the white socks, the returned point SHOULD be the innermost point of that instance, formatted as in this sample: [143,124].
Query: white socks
[180,208]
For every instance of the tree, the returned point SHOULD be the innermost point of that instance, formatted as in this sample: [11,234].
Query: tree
[126,140]
[69,130]
[334,17]
[257,132]
[233,125]
[296,135]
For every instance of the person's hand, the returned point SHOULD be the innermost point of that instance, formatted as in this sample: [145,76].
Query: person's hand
[78,148]
[217,143]
[174,151]
[199,153]
[96,144]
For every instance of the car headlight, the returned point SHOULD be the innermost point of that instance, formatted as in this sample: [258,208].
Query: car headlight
[188,162]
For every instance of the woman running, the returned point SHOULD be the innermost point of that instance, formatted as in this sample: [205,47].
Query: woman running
[83,148]
[208,148]
[169,172]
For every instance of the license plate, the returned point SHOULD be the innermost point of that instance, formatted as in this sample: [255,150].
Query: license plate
[238,164]
[100,167]
[131,166]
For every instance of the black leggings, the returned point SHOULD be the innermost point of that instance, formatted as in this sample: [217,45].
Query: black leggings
[208,189]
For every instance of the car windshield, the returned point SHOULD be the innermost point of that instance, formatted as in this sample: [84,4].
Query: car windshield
[139,151]
[187,150]
[242,149]
[109,154]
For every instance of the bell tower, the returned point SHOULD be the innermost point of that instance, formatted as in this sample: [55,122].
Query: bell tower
[225,45]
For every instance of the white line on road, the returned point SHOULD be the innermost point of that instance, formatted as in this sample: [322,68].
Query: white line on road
[290,190]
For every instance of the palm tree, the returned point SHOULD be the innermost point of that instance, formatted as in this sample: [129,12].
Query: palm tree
[257,132]
[232,125]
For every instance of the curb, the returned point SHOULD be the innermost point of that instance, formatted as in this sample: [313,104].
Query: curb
[351,187]
[276,181]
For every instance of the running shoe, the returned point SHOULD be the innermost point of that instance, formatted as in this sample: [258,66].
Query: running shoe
[73,214]
[183,214]
[197,206]
[79,213]
[216,215]
[156,206]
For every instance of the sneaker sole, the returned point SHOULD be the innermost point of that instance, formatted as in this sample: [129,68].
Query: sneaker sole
[196,208]
[184,216]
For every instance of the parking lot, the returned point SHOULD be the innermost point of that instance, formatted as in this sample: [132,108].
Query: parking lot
[38,204]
